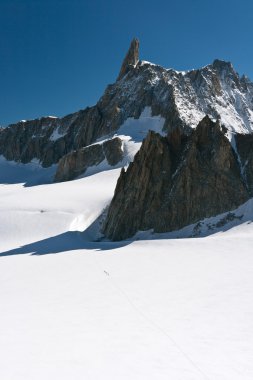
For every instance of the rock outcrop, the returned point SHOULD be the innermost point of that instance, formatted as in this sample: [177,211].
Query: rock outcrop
[77,162]
[181,98]
[175,181]
[131,58]
[244,147]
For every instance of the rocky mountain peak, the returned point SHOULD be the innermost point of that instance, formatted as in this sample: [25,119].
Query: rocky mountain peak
[131,58]
[245,79]
[180,99]
[220,64]
[176,181]
[207,130]
[225,69]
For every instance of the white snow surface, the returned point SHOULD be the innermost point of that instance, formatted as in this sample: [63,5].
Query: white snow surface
[71,308]
[233,105]
[132,132]
[215,90]
[30,174]
[56,134]
[137,129]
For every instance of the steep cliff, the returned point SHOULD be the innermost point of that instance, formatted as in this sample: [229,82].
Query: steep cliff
[182,99]
[175,181]
[77,162]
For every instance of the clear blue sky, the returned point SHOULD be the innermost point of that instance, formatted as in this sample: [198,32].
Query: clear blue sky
[57,56]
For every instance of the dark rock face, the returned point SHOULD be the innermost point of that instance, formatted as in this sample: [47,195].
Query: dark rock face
[176,181]
[182,99]
[244,145]
[113,151]
[131,58]
[27,140]
[76,163]
[48,139]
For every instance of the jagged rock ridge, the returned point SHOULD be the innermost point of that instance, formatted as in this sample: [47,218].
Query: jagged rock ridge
[177,180]
[181,98]
[77,162]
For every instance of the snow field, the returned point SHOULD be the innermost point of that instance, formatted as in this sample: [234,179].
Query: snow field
[176,309]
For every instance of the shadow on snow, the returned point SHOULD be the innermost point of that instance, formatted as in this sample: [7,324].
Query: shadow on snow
[65,242]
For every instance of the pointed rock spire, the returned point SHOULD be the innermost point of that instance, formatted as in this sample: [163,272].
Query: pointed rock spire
[131,59]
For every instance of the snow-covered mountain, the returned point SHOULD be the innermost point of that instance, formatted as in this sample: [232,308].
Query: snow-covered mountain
[143,89]
[72,308]
[174,305]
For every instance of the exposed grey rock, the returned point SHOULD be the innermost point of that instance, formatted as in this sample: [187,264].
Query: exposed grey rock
[113,151]
[131,59]
[244,145]
[176,181]
[76,163]
[182,99]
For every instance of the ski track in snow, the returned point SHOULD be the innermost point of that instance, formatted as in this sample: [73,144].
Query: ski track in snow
[71,308]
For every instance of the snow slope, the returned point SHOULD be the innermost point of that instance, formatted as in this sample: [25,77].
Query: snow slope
[215,90]
[132,132]
[71,308]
